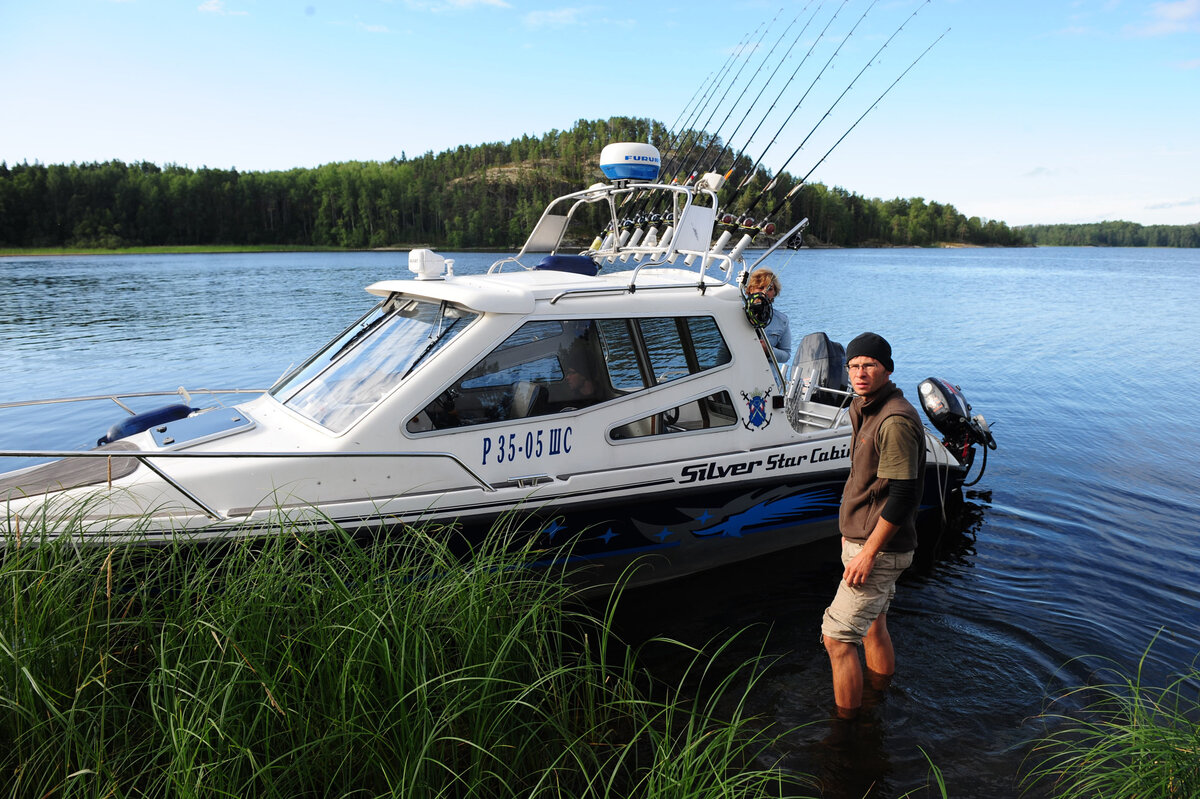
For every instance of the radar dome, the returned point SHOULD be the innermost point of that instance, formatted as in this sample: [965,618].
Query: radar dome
[630,161]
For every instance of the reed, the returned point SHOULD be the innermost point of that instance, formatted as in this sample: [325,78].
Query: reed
[1126,738]
[307,663]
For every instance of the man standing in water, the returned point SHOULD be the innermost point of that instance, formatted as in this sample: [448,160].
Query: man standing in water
[877,521]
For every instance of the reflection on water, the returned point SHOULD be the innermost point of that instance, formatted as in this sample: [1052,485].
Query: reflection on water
[1081,542]
[963,683]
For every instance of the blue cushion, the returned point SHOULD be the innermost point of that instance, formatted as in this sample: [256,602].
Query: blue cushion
[575,264]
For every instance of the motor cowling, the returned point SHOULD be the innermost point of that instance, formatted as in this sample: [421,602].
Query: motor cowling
[950,413]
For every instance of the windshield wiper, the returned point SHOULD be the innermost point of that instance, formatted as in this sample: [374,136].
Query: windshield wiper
[350,342]
[435,336]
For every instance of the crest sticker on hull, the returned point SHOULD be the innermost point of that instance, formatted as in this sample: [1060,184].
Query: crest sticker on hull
[758,407]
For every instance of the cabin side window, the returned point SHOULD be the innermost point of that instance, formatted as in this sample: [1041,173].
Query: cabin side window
[678,347]
[715,410]
[551,366]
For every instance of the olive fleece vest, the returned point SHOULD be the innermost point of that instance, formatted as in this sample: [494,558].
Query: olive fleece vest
[866,493]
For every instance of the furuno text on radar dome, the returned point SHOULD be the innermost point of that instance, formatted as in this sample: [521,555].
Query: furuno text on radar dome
[630,161]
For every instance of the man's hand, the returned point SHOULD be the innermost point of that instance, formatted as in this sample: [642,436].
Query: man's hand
[859,568]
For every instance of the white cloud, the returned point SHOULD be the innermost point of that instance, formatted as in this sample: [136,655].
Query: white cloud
[557,18]
[1171,205]
[1180,10]
[1048,172]
[438,6]
[1178,16]
[627,22]
[218,7]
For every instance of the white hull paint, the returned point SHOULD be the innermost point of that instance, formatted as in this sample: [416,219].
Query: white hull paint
[629,414]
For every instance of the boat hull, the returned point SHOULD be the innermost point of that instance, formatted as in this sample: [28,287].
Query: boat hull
[628,535]
[675,533]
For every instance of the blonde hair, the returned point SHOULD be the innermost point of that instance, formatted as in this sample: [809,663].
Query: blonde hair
[762,279]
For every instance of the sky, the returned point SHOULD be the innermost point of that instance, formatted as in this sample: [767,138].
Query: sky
[1022,111]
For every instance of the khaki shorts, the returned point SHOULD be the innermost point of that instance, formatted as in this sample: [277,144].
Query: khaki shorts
[854,609]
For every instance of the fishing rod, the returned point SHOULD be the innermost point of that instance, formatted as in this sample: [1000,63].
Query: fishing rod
[702,94]
[828,111]
[705,93]
[641,210]
[803,97]
[796,71]
[635,217]
[704,127]
[695,97]
[708,95]
[743,222]
[728,220]
[729,141]
[766,59]
[804,180]
[747,224]
[765,226]
[692,169]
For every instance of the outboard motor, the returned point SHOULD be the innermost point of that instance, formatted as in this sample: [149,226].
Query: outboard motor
[950,413]
[819,364]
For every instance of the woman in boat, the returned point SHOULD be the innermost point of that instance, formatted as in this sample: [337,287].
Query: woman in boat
[778,331]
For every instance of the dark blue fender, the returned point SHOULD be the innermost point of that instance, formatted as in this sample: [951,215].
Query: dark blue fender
[144,421]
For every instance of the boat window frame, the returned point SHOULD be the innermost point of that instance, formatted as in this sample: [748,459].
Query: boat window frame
[349,348]
[668,422]
[474,399]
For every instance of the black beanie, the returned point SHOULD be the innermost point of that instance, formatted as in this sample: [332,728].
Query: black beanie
[874,346]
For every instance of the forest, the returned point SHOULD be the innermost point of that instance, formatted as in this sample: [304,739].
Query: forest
[1112,234]
[484,196]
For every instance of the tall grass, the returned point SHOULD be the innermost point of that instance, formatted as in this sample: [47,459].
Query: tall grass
[305,664]
[1127,739]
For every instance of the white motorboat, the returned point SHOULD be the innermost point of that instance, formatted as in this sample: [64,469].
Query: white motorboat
[616,401]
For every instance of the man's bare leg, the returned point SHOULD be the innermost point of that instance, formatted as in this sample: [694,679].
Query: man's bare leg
[877,648]
[847,676]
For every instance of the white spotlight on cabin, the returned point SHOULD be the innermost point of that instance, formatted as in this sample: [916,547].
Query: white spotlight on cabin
[427,264]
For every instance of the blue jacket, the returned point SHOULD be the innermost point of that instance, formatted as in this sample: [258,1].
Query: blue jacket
[779,335]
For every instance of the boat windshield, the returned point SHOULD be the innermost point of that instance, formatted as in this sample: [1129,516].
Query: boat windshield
[361,366]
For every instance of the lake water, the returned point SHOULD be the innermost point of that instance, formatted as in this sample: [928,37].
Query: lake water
[1081,543]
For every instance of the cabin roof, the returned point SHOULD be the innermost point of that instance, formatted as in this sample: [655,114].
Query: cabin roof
[517,291]
[488,296]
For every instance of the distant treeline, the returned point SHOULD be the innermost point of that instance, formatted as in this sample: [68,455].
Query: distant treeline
[1113,234]
[488,195]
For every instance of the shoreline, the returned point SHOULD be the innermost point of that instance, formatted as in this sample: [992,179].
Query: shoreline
[210,249]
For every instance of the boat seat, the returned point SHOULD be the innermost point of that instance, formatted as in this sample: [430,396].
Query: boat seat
[636,429]
[528,399]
